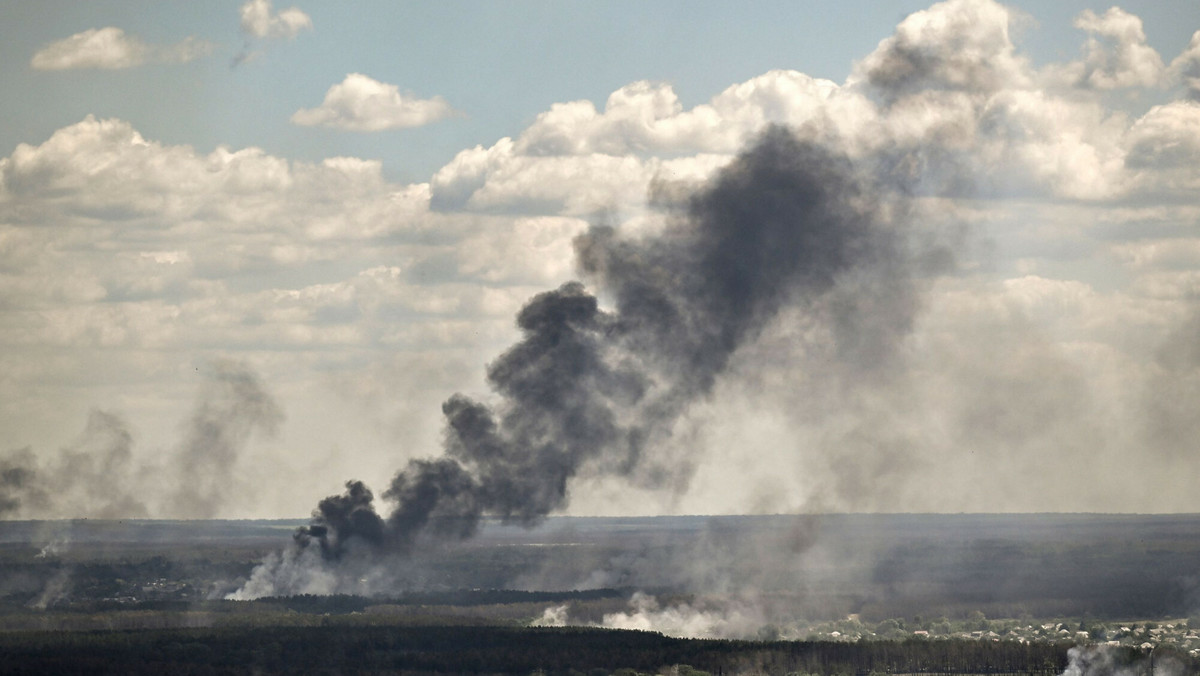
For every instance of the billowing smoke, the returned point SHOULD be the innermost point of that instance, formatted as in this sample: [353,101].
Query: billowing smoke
[98,475]
[598,392]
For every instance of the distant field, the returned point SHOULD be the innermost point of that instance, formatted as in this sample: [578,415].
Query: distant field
[356,649]
[817,567]
[994,594]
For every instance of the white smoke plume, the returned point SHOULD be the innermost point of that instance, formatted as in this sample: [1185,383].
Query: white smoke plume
[735,619]
[1111,661]
[710,618]
[57,588]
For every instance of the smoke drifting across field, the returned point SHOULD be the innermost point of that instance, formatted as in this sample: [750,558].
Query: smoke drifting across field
[724,621]
[789,223]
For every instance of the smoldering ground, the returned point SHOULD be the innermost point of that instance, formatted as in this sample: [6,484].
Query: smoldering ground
[100,476]
[727,619]
[598,392]
[1111,661]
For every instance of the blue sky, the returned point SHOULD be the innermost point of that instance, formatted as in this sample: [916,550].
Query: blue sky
[337,209]
[500,64]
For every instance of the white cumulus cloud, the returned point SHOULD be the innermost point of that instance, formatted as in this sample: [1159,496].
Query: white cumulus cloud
[260,21]
[110,48]
[360,103]
[960,45]
[648,117]
[1116,53]
[1186,67]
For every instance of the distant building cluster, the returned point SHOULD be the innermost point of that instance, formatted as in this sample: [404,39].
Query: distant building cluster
[1145,636]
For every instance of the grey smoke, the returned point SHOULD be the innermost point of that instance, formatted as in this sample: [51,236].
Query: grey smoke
[104,452]
[92,476]
[58,588]
[1174,390]
[788,224]
[98,475]
[233,405]
[720,558]
[18,481]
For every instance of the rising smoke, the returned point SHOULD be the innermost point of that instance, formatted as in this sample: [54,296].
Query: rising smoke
[789,223]
[98,476]
[233,405]
[733,620]
[1099,660]
[93,476]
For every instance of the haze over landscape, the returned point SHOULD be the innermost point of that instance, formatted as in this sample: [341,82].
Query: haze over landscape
[597,259]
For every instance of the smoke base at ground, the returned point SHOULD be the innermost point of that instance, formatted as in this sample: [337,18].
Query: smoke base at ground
[790,223]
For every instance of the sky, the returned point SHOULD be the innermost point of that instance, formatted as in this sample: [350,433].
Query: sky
[250,251]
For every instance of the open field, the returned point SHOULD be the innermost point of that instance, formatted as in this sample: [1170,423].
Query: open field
[1000,592]
[827,567]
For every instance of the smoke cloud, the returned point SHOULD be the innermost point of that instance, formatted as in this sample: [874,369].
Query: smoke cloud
[1109,661]
[80,480]
[98,476]
[595,391]
[733,620]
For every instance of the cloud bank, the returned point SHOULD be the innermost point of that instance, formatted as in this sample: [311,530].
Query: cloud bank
[360,103]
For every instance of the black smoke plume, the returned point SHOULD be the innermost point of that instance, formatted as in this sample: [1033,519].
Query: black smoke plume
[596,391]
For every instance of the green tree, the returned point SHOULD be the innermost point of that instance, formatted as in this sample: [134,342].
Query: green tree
[888,629]
[977,621]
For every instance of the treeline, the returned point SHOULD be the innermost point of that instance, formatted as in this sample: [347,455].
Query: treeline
[495,650]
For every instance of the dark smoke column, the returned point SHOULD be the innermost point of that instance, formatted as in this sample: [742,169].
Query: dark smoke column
[560,401]
[782,225]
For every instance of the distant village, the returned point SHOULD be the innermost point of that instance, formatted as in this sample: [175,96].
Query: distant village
[1145,635]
